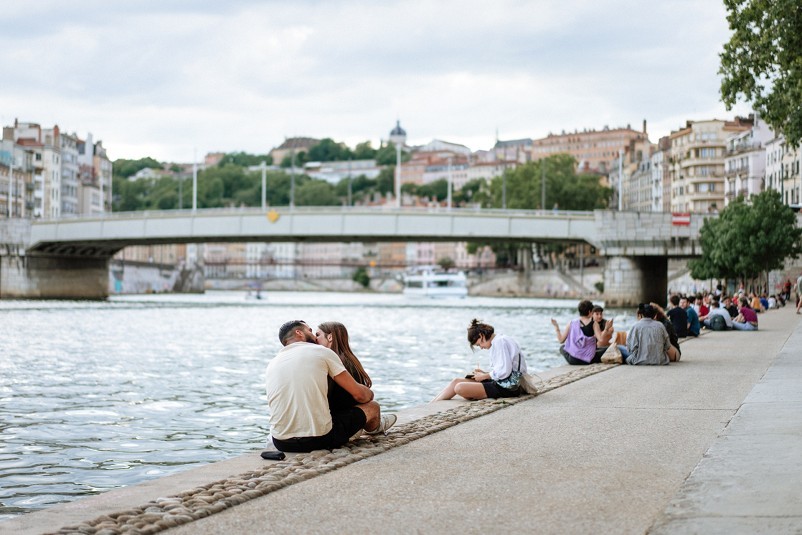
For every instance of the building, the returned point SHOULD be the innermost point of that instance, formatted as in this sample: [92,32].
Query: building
[640,191]
[696,163]
[334,172]
[68,175]
[292,145]
[515,150]
[596,150]
[745,162]
[661,185]
[782,173]
[16,181]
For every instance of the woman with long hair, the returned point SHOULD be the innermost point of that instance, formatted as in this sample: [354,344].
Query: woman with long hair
[334,335]
[507,366]
[579,342]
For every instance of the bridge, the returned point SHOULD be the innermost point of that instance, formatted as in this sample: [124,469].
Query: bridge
[69,257]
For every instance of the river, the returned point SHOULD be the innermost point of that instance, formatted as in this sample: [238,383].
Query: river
[100,395]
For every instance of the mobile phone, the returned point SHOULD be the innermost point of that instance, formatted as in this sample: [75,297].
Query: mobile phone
[470,376]
[273,455]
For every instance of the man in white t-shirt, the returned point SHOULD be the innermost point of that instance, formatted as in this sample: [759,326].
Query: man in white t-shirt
[297,388]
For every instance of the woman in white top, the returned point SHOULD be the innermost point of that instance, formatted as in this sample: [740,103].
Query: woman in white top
[507,365]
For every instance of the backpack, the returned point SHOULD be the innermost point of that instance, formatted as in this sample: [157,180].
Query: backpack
[718,323]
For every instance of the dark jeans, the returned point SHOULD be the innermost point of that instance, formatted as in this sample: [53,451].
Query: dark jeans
[575,361]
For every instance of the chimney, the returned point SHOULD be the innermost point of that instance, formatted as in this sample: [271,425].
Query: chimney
[644,126]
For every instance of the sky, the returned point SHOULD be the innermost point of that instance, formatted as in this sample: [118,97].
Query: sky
[171,79]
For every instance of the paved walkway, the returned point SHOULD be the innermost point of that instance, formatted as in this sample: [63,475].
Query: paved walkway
[710,444]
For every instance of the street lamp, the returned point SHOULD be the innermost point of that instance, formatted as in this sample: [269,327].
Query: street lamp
[264,185]
[398,137]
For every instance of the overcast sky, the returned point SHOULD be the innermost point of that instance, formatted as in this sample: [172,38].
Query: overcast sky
[166,78]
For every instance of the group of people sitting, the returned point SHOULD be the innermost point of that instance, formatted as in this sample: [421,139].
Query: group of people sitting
[654,339]
[320,396]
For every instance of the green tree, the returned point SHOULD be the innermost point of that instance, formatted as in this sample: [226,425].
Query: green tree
[300,160]
[386,155]
[328,150]
[361,276]
[564,188]
[125,168]
[761,62]
[385,182]
[316,193]
[747,241]
[364,151]
[243,159]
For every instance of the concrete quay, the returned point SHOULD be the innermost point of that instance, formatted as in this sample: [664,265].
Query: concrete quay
[712,444]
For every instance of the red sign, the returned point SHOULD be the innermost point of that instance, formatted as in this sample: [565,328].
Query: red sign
[681,219]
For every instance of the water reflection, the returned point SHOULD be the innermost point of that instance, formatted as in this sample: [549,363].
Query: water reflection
[95,396]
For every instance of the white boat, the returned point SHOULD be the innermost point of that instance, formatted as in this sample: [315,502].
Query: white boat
[432,282]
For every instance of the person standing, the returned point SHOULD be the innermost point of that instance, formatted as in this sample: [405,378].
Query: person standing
[297,388]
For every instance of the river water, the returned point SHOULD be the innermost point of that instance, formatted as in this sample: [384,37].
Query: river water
[101,395]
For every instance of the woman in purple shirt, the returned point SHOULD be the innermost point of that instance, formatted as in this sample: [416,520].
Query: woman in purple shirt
[580,336]
[746,320]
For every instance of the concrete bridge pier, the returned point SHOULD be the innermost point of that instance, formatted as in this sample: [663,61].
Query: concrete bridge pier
[629,280]
[53,277]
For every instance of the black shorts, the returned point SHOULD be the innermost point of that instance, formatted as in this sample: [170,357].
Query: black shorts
[493,390]
[344,425]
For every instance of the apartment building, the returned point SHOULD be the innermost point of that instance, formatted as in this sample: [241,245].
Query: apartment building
[782,170]
[16,180]
[516,150]
[596,150]
[696,163]
[640,192]
[69,176]
[745,161]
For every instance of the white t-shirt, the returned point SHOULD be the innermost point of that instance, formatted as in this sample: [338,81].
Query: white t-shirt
[296,381]
[504,357]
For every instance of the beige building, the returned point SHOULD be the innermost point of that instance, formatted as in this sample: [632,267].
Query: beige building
[596,150]
[696,164]
[292,145]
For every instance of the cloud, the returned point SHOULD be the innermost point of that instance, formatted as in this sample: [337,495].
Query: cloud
[159,78]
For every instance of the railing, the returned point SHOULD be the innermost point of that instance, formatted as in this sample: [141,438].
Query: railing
[312,210]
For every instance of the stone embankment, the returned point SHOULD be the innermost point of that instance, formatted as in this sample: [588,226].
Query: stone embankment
[708,445]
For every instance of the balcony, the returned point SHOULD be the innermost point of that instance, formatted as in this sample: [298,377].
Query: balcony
[744,147]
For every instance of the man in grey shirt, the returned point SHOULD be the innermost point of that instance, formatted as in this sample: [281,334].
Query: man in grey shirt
[647,341]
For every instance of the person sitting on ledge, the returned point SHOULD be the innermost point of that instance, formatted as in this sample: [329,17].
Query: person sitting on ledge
[507,364]
[746,320]
[647,341]
[297,388]
[581,337]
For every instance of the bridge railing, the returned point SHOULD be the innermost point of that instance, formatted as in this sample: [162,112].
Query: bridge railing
[309,210]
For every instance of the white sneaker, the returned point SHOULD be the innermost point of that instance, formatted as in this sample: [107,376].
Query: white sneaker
[387,421]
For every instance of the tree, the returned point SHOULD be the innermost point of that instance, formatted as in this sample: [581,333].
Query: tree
[243,159]
[364,151]
[386,155]
[315,192]
[761,62]
[747,241]
[564,188]
[328,150]
[126,168]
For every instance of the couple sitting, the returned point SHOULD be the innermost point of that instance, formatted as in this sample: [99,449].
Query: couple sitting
[318,392]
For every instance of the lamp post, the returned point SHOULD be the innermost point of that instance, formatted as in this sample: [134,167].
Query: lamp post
[450,184]
[264,185]
[398,137]
[292,179]
[194,181]
[620,179]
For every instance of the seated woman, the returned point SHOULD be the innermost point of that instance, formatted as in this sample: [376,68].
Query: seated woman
[579,341]
[674,353]
[746,320]
[506,366]
[334,336]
